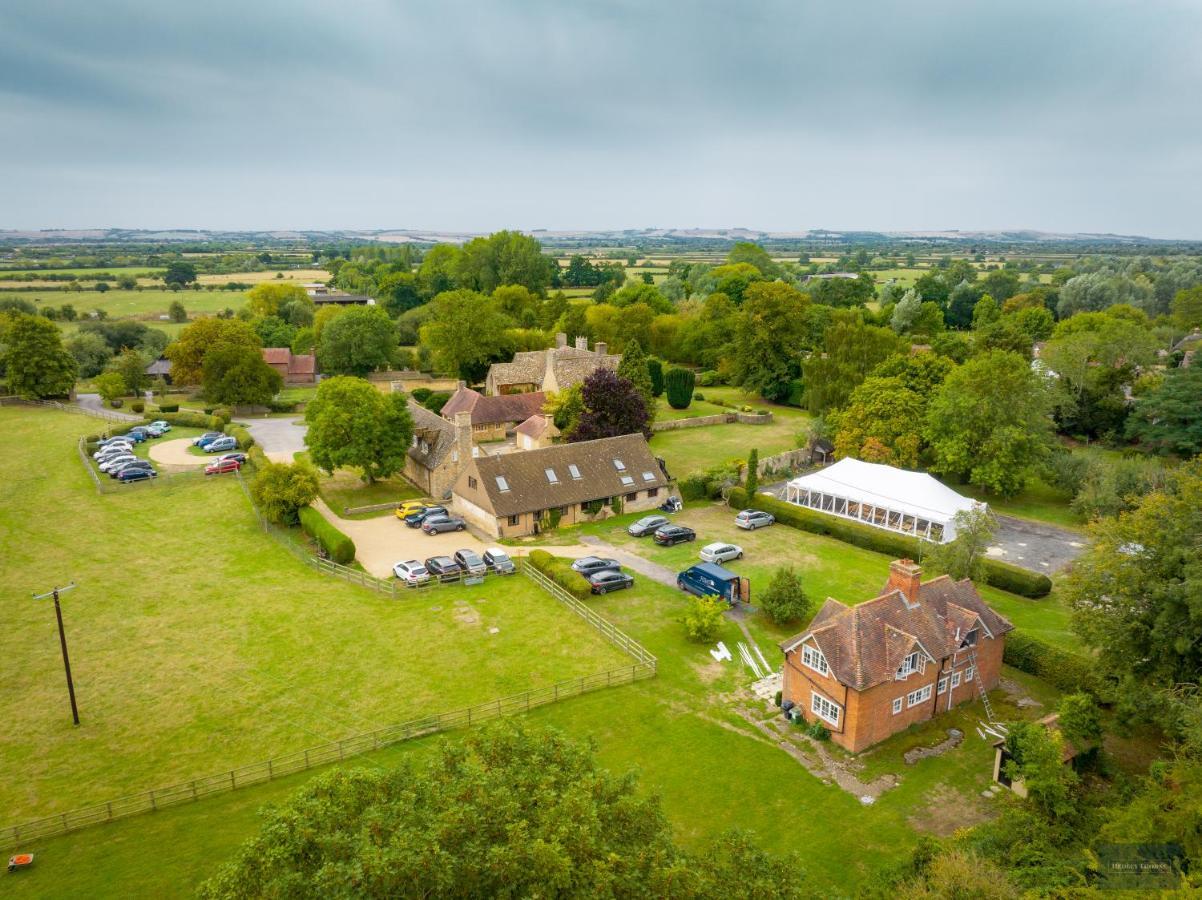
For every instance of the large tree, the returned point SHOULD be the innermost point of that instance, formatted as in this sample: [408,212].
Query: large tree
[282,490]
[882,422]
[989,422]
[357,342]
[131,365]
[466,333]
[1169,418]
[266,298]
[353,424]
[504,257]
[850,350]
[504,812]
[91,352]
[612,406]
[238,376]
[187,352]
[768,334]
[35,360]
[633,368]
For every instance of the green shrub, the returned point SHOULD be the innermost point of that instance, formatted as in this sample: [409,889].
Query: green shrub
[702,619]
[224,413]
[698,396]
[999,574]
[168,407]
[193,420]
[655,369]
[561,572]
[282,490]
[1066,670]
[435,402]
[818,731]
[679,385]
[245,441]
[256,457]
[421,395]
[339,547]
[137,406]
[283,406]
[709,378]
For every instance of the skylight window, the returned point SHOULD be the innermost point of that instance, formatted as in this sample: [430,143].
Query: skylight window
[648,476]
[626,479]
[551,476]
[502,484]
[573,471]
[619,465]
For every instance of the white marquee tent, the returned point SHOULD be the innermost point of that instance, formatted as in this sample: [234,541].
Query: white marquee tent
[895,499]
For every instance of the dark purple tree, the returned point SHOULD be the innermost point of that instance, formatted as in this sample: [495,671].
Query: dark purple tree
[612,406]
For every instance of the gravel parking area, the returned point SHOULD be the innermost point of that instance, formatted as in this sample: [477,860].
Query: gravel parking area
[175,453]
[281,438]
[1036,546]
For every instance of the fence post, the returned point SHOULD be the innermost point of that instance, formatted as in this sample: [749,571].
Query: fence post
[233,782]
[269,772]
[153,805]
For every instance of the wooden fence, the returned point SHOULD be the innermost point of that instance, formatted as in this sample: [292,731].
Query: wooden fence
[106,485]
[70,408]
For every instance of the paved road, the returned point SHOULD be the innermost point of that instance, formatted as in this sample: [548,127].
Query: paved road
[1036,546]
[95,403]
[280,437]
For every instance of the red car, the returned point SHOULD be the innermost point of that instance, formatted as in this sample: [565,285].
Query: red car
[222,466]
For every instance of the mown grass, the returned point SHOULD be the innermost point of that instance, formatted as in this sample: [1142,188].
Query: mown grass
[198,644]
[141,304]
[346,489]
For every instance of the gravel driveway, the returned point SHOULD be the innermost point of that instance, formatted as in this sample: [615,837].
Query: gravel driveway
[281,438]
[95,403]
[1036,546]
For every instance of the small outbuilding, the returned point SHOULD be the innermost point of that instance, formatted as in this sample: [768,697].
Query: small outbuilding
[885,497]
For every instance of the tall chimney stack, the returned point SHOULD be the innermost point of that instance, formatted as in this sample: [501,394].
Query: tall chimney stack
[581,342]
[463,436]
[905,575]
[561,340]
[601,348]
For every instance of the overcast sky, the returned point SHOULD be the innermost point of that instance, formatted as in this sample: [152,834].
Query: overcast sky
[1061,115]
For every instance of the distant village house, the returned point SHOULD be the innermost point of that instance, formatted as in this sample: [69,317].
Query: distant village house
[555,369]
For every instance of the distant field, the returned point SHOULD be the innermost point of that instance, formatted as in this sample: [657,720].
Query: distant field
[82,274]
[133,304]
[299,275]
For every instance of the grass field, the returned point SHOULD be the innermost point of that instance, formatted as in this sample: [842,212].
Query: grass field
[144,304]
[199,644]
[301,276]
[345,488]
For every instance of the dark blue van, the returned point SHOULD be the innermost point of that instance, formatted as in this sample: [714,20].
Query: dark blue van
[711,580]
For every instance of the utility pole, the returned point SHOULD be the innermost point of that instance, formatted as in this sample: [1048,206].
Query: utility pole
[62,639]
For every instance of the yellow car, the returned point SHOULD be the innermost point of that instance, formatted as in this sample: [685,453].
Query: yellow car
[409,507]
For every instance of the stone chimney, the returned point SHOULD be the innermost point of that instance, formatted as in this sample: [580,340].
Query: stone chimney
[581,343]
[463,436]
[601,348]
[561,340]
[905,575]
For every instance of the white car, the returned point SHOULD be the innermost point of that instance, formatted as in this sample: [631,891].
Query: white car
[159,424]
[719,552]
[110,449]
[116,462]
[411,572]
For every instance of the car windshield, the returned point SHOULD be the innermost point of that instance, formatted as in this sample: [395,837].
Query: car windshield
[418,570]
[470,558]
[498,556]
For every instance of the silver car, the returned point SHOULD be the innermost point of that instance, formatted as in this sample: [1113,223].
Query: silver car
[720,553]
[470,562]
[116,462]
[751,519]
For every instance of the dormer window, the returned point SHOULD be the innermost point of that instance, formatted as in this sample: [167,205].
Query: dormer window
[912,663]
[502,484]
[812,657]
[970,639]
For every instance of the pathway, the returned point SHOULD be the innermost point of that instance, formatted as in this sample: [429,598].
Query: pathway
[280,438]
[643,566]
[95,403]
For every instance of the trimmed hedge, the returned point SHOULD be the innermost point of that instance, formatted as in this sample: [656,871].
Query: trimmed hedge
[193,420]
[256,457]
[1066,670]
[561,572]
[168,407]
[339,547]
[999,574]
[245,441]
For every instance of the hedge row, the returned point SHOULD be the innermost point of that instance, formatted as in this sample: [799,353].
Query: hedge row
[245,441]
[561,572]
[999,574]
[193,420]
[339,547]
[1066,670]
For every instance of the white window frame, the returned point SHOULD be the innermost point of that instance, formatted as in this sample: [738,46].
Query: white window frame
[955,680]
[574,471]
[822,708]
[970,673]
[814,658]
[897,705]
[914,662]
[941,689]
[921,695]
[552,477]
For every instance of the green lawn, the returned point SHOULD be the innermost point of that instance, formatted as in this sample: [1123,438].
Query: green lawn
[346,489]
[1038,501]
[144,304]
[198,644]
[664,412]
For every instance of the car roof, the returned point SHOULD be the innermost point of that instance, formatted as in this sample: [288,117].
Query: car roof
[467,551]
[495,551]
[440,559]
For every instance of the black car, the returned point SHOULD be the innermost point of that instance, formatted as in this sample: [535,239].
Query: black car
[587,565]
[443,568]
[414,520]
[136,464]
[136,475]
[646,525]
[674,534]
[607,580]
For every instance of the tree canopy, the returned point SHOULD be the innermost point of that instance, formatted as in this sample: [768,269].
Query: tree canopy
[34,358]
[466,333]
[768,332]
[187,352]
[612,406]
[357,342]
[238,376]
[352,424]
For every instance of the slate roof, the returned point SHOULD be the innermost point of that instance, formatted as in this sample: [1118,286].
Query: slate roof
[497,410]
[865,644]
[433,437]
[527,488]
[159,367]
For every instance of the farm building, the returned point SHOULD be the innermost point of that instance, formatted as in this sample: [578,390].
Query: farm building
[439,450]
[296,368]
[536,432]
[516,494]
[882,496]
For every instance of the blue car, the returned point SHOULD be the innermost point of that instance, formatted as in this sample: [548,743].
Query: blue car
[207,438]
[137,435]
[125,476]
[221,445]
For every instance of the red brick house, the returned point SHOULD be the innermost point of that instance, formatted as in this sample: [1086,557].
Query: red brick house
[297,368]
[869,671]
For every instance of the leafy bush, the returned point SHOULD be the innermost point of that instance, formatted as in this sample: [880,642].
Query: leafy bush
[421,395]
[435,402]
[709,378]
[698,396]
[679,385]
[703,618]
[245,441]
[784,600]
[1001,575]
[655,369]
[710,484]
[168,407]
[1066,670]
[818,731]
[193,420]
[561,572]
[281,490]
[339,547]
[224,413]
[283,406]
[137,406]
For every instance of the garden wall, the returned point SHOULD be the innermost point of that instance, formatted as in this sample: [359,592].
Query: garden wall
[717,419]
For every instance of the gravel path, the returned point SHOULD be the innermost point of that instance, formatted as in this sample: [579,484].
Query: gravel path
[96,404]
[175,453]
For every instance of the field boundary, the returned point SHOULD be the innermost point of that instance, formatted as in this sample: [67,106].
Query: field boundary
[68,407]
[113,487]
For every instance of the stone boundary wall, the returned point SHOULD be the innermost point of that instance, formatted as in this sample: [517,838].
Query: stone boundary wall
[717,419]
[789,460]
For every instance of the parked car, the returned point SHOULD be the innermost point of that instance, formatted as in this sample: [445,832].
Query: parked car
[159,424]
[240,457]
[498,561]
[586,565]
[207,438]
[646,525]
[439,523]
[443,568]
[139,433]
[470,562]
[607,580]
[112,450]
[415,519]
[711,580]
[409,507]
[136,474]
[115,439]
[222,466]
[751,519]
[221,445]
[116,462]
[136,464]
[411,572]
[155,431]
[668,535]
[719,552]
